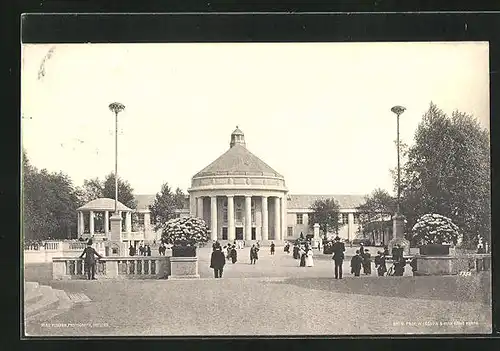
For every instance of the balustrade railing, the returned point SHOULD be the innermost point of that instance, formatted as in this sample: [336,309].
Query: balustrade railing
[135,267]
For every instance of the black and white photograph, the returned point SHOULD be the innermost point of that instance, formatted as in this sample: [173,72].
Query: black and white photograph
[255,189]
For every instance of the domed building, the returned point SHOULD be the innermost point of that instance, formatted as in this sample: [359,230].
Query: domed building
[240,196]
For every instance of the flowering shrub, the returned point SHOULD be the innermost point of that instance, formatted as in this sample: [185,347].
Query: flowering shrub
[435,229]
[188,230]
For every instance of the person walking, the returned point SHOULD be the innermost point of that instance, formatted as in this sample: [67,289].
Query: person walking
[131,250]
[141,250]
[90,260]
[367,263]
[148,250]
[272,248]
[380,265]
[295,250]
[254,254]
[413,265]
[309,258]
[338,257]
[302,254]
[233,254]
[217,262]
[356,263]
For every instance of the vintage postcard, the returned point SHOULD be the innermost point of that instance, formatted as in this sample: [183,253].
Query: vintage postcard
[256,189]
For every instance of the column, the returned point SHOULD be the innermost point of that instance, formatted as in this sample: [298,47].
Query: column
[213,214]
[81,223]
[350,226]
[231,234]
[128,222]
[199,210]
[284,227]
[248,217]
[277,216]
[265,221]
[192,205]
[106,222]
[91,223]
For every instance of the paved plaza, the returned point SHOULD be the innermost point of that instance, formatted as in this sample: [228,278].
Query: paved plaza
[277,297]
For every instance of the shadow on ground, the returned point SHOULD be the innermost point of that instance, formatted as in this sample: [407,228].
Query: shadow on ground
[476,288]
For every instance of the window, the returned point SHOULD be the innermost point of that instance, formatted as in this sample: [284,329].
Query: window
[290,231]
[254,234]
[356,218]
[345,218]
[224,233]
[300,218]
[224,211]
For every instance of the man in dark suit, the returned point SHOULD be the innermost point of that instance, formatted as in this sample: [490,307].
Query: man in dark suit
[338,257]
[217,262]
[90,260]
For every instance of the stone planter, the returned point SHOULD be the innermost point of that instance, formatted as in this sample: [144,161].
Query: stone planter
[435,250]
[183,268]
[183,251]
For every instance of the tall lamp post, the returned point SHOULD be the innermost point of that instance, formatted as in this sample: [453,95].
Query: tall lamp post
[398,219]
[116,220]
[116,107]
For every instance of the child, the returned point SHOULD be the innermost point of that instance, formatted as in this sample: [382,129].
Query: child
[356,263]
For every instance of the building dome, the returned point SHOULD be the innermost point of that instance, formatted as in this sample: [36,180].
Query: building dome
[238,166]
[103,204]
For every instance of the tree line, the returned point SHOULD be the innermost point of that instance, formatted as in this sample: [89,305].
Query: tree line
[446,171]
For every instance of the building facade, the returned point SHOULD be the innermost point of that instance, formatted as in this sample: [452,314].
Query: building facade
[240,197]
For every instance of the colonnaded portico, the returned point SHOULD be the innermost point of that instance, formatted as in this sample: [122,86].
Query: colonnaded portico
[240,196]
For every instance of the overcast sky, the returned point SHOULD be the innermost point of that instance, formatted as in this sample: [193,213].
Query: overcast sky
[318,113]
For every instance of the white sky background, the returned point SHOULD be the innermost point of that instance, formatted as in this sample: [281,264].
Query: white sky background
[318,113]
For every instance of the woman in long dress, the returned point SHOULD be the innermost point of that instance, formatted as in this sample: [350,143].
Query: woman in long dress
[302,254]
[309,258]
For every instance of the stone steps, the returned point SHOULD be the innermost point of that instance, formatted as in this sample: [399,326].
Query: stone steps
[64,304]
[42,302]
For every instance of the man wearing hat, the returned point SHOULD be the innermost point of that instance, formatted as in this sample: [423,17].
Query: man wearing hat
[90,260]
[338,257]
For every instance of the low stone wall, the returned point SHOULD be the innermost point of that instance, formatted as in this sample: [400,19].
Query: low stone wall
[135,267]
[453,264]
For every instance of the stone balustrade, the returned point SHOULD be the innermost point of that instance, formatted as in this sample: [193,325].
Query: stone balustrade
[135,267]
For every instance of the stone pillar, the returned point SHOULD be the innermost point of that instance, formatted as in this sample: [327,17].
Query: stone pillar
[199,207]
[192,205]
[147,221]
[316,231]
[277,216]
[231,233]
[398,226]
[265,219]
[128,222]
[350,226]
[81,223]
[283,217]
[91,223]
[106,222]
[248,218]
[213,214]
[116,228]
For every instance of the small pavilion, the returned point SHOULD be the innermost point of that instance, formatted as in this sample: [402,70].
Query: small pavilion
[101,208]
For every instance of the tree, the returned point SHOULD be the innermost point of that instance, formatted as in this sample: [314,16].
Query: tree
[95,188]
[326,213]
[125,191]
[165,204]
[448,173]
[373,213]
[49,204]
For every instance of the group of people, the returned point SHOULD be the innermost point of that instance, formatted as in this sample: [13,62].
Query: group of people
[220,254]
[143,250]
[303,252]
